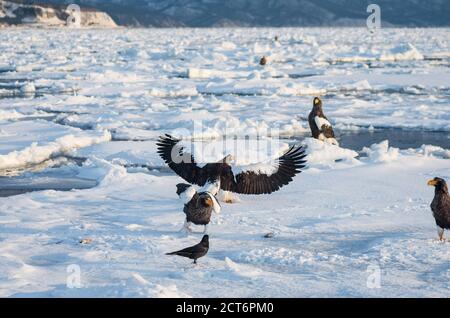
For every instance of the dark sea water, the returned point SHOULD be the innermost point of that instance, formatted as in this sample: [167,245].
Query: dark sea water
[398,138]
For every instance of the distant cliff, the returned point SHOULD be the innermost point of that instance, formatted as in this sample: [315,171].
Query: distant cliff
[30,13]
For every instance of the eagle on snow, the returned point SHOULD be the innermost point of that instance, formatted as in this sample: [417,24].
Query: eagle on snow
[245,180]
[318,123]
[198,205]
[440,205]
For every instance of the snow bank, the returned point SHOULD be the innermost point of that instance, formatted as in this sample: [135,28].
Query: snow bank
[243,270]
[279,257]
[38,153]
[210,73]
[260,87]
[402,53]
[133,53]
[173,92]
[28,88]
[431,151]
[322,153]
[159,291]
[381,152]
[9,114]
[170,291]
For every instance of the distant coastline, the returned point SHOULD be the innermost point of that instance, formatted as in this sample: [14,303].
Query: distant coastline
[236,13]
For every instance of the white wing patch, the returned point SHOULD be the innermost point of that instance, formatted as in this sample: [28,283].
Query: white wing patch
[213,188]
[216,204]
[187,195]
[321,121]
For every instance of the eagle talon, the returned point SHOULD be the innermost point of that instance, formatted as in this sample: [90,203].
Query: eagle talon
[185,231]
[228,197]
[186,227]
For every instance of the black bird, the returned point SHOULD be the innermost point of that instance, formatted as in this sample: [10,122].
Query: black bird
[248,180]
[198,206]
[440,205]
[196,251]
[318,123]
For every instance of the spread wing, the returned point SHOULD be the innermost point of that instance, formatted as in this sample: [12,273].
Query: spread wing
[258,181]
[180,161]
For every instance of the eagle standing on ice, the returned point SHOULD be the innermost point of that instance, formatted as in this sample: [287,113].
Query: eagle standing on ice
[198,206]
[249,180]
[320,126]
[440,205]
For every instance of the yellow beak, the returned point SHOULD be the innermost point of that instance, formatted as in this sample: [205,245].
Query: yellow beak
[432,182]
[209,202]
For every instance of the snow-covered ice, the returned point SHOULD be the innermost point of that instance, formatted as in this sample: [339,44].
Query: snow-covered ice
[106,95]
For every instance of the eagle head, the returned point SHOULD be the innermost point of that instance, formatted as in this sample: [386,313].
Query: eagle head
[207,201]
[317,102]
[439,184]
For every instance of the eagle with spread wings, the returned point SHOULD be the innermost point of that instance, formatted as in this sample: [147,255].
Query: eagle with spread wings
[245,180]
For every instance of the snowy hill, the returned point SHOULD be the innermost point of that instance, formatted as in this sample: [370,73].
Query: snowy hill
[17,13]
[206,13]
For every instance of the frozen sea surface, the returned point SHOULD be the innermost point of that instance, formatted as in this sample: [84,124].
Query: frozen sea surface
[80,111]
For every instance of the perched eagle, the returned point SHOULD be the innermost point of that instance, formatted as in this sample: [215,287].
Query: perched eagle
[198,205]
[320,126]
[440,205]
[196,251]
[249,180]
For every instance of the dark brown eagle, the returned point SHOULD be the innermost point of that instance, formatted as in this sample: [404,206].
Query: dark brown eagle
[198,205]
[440,205]
[318,123]
[247,181]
